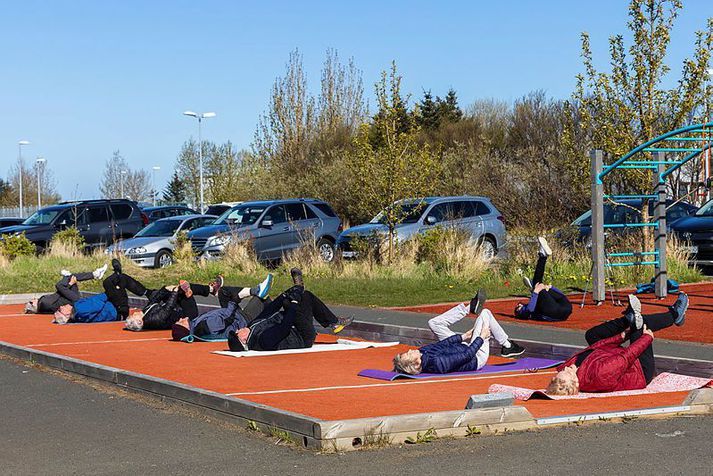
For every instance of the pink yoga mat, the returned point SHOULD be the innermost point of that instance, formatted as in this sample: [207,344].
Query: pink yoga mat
[665,382]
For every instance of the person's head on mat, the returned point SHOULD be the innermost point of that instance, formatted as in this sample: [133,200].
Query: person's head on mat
[135,321]
[565,382]
[238,341]
[64,314]
[180,329]
[408,362]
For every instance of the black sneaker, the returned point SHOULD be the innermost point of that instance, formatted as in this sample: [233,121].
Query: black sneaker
[297,279]
[679,309]
[478,301]
[342,322]
[515,349]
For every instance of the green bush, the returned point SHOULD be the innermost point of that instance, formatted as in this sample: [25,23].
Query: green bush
[69,238]
[18,245]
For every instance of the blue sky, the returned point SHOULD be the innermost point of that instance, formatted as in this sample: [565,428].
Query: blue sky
[81,79]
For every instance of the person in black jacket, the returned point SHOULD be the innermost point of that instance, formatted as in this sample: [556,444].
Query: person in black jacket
[66,292]
[170,304]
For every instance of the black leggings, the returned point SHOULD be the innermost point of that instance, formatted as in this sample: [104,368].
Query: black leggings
[552,304]
[297,315]
[654,322]
[228,294]
[115,287]
[188,305]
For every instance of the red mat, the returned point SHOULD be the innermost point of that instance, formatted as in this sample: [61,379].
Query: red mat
[698,326]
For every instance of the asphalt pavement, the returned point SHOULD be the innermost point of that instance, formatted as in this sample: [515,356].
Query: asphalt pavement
[54,423]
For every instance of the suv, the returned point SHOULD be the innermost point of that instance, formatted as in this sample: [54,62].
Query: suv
[697,232]
[477,215]
[165,211]
[98,221]
[274,227]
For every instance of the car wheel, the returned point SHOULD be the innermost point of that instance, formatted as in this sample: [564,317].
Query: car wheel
[326,250]
[163,259]
[488,249]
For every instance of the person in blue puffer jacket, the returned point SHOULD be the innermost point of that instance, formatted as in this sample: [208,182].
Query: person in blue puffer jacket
[458,352]
[95,308]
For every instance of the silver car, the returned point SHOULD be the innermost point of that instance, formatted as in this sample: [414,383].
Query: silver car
[274,227]
[475,214]
[153,246]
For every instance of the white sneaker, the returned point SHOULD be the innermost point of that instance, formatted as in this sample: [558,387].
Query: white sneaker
[545,249]
[99,272]
[264,287]
[527,282]
[635,304]
[65,273]
[30,308]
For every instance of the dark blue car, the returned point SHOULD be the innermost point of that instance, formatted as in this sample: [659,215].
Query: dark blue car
[697,231]
[630,212]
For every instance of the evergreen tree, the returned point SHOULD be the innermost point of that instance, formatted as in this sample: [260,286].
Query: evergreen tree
[175,190]
[427,112]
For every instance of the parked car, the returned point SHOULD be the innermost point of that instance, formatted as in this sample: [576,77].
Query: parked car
[165,211]
[476,215]
[220,208]
[10,221]
[697,231]
[630,212]
[98,221]
[274,227]
[153,246]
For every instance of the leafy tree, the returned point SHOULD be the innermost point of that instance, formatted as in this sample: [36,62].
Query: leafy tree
[629,105]
[175,190]
[137,183]
[29,184]
[389,164]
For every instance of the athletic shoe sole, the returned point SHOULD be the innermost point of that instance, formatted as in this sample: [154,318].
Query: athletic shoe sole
[264,287]
[681,316]
[544,246]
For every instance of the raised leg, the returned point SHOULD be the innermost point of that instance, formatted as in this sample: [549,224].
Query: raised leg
[440,325]
[539,269]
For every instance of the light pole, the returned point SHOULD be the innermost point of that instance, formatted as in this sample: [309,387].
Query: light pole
[200,117]
[40,168]
[156,168]
[19,147]
[123,174]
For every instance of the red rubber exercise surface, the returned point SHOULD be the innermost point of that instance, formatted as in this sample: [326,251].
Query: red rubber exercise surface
[698,326]
[322,385]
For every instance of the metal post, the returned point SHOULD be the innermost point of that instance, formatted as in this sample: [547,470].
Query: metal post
[597,234]
[660,275]
[19,147]
[200,161]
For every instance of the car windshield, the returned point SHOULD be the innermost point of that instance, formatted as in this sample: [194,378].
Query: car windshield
[241,216]
[706,210]
[160,228]
[42,217]
[403,212]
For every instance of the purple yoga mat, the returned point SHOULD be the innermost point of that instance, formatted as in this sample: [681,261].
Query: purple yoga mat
[528,363]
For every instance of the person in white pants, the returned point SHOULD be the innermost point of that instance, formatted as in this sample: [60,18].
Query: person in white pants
[441,326]
[457,352]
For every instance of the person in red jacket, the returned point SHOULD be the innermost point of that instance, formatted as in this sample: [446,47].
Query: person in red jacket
[606,365]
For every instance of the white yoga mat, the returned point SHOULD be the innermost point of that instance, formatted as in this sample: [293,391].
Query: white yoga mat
[342,344]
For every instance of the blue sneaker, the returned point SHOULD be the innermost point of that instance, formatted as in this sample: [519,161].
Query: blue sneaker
[679,309]
[264,288]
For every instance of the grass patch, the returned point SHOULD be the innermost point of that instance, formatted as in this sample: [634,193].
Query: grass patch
[410,279]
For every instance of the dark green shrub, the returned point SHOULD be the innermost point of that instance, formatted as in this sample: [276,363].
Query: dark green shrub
[18,245]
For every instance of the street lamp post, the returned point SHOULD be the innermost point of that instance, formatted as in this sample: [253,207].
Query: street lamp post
[200,117]
[19,147]
[123,174]
[156,168]
[40,168]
